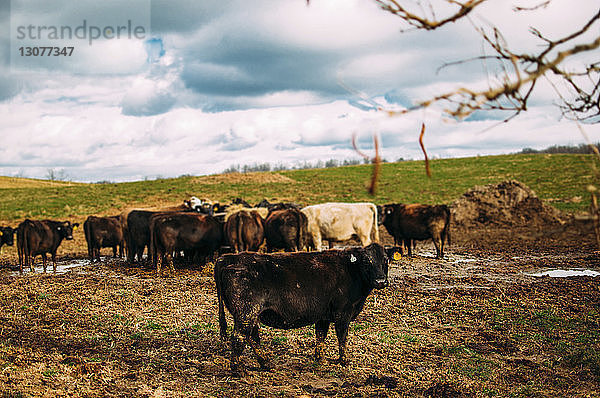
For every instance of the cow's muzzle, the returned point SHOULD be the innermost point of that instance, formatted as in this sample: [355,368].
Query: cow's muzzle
[380,283]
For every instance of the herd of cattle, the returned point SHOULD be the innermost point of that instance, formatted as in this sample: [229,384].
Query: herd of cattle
[281,290]
[199,230]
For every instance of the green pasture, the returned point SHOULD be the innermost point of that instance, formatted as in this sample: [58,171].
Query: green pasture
[560,179]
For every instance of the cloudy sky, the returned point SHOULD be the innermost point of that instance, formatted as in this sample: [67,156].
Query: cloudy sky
[208,85]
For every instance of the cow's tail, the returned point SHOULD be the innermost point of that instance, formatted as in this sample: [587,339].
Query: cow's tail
[152,249]
[301,238]
[219,284]
[375,229]
[241,244]
[87,233]
[447,226]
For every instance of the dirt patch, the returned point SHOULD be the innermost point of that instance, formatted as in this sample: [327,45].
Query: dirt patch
[509,203]
[244,178]
[475,323]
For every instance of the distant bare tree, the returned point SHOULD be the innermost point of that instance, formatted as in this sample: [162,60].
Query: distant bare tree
[56,175]
[578,96]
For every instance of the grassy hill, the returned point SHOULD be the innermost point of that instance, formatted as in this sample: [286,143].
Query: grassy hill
[560,179]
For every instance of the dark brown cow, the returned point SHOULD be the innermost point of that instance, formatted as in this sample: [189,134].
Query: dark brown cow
[103,232]
[139,238]
[244,231]
[41,237]
[418,222]
[7,236]
[286,229]
[199,235]
[292,290]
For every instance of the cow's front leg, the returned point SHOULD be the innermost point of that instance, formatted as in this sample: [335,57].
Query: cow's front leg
[321,329]
[341,330]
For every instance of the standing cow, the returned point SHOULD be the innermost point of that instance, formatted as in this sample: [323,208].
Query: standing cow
[103,232]
[41,237]
[293,290]
[244,231]
[197,235]
[337,222]
[7,236]
[418,222]
[286,229]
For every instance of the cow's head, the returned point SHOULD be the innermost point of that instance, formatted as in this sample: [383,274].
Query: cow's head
[374,265]
[386,214]
[7,235]
[65,229]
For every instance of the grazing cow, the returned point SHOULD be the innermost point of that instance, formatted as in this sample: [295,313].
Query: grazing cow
[293,290]
[196,234]
[245,231]
[337,222]
[138,236]
[286,229]
[103,232]
[263,203]
[277,206]
[418,222]
[41,237]
[240,201]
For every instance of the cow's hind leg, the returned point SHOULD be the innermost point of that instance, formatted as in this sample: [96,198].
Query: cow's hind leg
[245,330]
[321,329]
[439,246]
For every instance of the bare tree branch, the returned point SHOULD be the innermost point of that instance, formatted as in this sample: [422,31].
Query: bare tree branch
[519,71]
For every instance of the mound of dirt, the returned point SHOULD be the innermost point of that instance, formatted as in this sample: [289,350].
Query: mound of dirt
[509,203]
[244,178]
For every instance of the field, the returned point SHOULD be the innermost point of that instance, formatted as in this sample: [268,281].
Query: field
[475,324]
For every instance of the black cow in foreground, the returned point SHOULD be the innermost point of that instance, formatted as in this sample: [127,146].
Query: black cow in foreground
[244,231]
[7,236]
[286,229]
[103,232]
[199,236]
[407,223]
[292,290]
[41,237]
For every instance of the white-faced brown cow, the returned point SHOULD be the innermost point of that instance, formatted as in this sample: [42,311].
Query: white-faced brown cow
[39,238]
[293,290]
[407,223]
[336,222]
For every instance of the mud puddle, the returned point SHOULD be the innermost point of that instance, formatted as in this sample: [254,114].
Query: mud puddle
[564,273]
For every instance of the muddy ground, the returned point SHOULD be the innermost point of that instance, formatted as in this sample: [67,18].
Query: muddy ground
[474,324]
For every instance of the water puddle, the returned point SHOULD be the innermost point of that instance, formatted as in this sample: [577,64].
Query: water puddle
[564,273]
[61,267]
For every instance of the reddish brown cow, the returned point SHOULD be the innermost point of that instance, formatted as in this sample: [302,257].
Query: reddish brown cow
[286,229]
[41,237]
[245,231]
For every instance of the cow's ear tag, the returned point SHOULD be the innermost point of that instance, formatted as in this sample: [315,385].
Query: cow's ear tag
[1,233]
[75,228]
[352,258]
[397,256]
